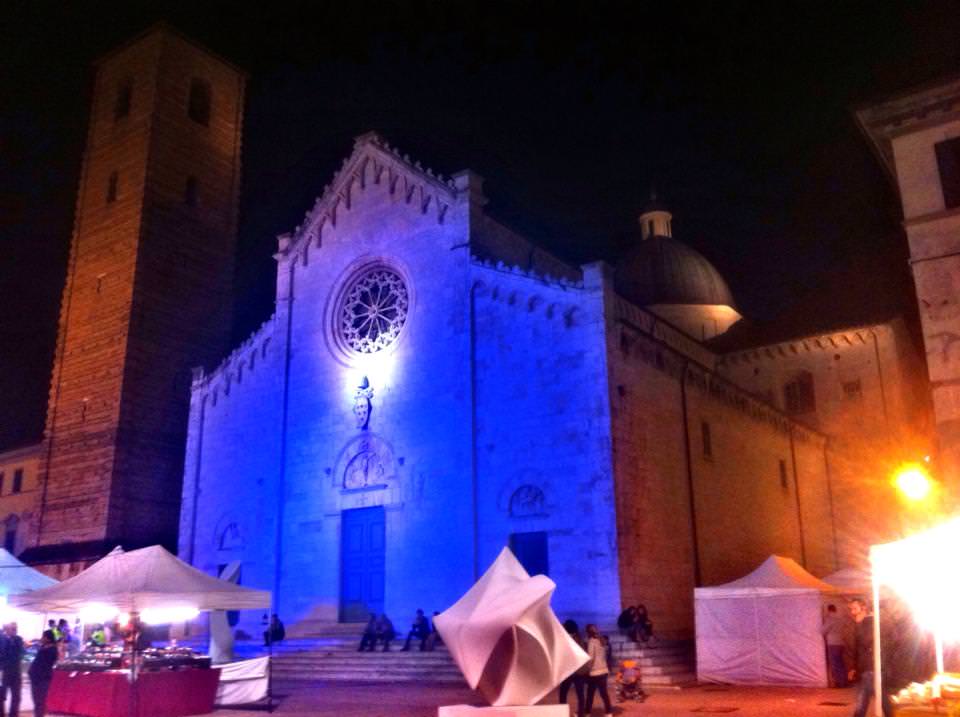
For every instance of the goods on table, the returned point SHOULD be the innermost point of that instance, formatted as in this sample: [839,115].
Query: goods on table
[943,689]
[113,657]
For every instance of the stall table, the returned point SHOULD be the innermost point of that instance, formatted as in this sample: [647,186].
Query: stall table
[167,693]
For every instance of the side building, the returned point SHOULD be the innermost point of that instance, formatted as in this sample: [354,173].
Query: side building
[916,136]
[434,386]
[19,495]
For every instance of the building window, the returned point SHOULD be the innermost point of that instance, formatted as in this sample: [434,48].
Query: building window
[707,440]
[784,481]
[17,480]
[190,192]
[1,482]
[948,163]
[121,107]
[112,187]
[198,107]
[798,395]
[852,390]
[10,533]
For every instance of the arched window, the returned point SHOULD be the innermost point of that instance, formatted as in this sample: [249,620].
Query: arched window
[798,394]
[230,537]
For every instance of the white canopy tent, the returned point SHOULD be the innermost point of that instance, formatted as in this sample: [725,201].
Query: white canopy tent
[764,628]
[149,578]
[16,577]
[851,580]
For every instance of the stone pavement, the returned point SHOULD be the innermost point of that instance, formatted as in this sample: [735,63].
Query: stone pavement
[366,700]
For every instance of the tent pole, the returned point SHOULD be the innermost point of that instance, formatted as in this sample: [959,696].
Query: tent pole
[877,661]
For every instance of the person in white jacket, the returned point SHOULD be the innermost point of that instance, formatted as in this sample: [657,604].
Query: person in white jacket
[599,671]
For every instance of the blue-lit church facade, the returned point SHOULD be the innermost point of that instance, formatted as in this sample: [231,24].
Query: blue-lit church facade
[410,408]
[433,386]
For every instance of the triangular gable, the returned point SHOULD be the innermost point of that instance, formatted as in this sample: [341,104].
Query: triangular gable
[373,162]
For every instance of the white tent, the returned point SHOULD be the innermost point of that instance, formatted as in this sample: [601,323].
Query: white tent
[764,628]
[150,578]
[851,580]
[16,577]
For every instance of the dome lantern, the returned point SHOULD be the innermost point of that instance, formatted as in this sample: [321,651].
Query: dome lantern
[655,219]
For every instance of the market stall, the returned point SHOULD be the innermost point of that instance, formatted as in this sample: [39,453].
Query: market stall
[17,578]
[919,570]
[142,587]
[764,628]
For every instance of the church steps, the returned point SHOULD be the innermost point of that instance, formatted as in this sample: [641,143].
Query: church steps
[332,655]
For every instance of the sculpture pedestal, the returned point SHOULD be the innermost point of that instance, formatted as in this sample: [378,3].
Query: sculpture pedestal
[522,711]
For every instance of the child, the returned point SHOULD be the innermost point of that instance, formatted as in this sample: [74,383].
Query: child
[628,682]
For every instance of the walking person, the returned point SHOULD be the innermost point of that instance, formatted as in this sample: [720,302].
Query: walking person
[578,678]
[11,661]
[41,672]
[599,671]
[863,659]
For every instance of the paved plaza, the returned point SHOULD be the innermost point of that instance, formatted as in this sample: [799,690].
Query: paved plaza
[407,700]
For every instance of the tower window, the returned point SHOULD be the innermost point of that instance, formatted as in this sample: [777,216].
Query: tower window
[948,164]
[784,481]
[17,480]
[121,106]
[798,395]
[112,187]
[190,192]
[198,107]
[706,439]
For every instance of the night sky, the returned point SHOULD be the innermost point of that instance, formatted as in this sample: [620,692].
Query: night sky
[739,114]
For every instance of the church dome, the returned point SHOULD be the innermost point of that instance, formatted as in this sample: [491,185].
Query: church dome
[659,270]
[662,270]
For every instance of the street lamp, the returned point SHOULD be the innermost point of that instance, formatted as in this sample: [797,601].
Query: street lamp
[913,482]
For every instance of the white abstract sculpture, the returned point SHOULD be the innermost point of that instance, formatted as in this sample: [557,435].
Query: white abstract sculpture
[505,638]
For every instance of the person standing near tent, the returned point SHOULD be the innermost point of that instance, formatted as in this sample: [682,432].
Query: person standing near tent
[41,672]
[12,657]
[834,631]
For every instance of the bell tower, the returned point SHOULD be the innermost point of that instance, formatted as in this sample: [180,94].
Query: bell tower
[147,295]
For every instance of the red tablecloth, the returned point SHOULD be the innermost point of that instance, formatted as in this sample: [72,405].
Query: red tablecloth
[169,693]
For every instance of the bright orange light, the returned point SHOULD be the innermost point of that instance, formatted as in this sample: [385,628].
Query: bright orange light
[918,569]
[913,482]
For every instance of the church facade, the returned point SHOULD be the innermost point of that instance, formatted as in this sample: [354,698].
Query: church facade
[433,386]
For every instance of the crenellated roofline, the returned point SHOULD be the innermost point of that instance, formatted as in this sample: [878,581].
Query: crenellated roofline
[244,355]
[823,341]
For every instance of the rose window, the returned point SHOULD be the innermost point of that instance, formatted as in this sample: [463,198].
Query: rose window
[373,310]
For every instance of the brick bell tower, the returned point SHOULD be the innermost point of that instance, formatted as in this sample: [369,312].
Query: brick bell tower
[147,296]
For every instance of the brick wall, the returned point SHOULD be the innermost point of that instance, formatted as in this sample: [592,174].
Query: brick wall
[147,293]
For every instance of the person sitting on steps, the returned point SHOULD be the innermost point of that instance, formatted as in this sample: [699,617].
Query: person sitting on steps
[420,630]
[369,639]
[385,632]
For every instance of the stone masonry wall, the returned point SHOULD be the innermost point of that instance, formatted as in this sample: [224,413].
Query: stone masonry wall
[543,432]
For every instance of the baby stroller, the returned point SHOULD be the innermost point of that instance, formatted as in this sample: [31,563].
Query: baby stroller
[628,683]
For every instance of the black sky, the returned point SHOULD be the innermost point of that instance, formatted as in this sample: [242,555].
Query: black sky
[740,115]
